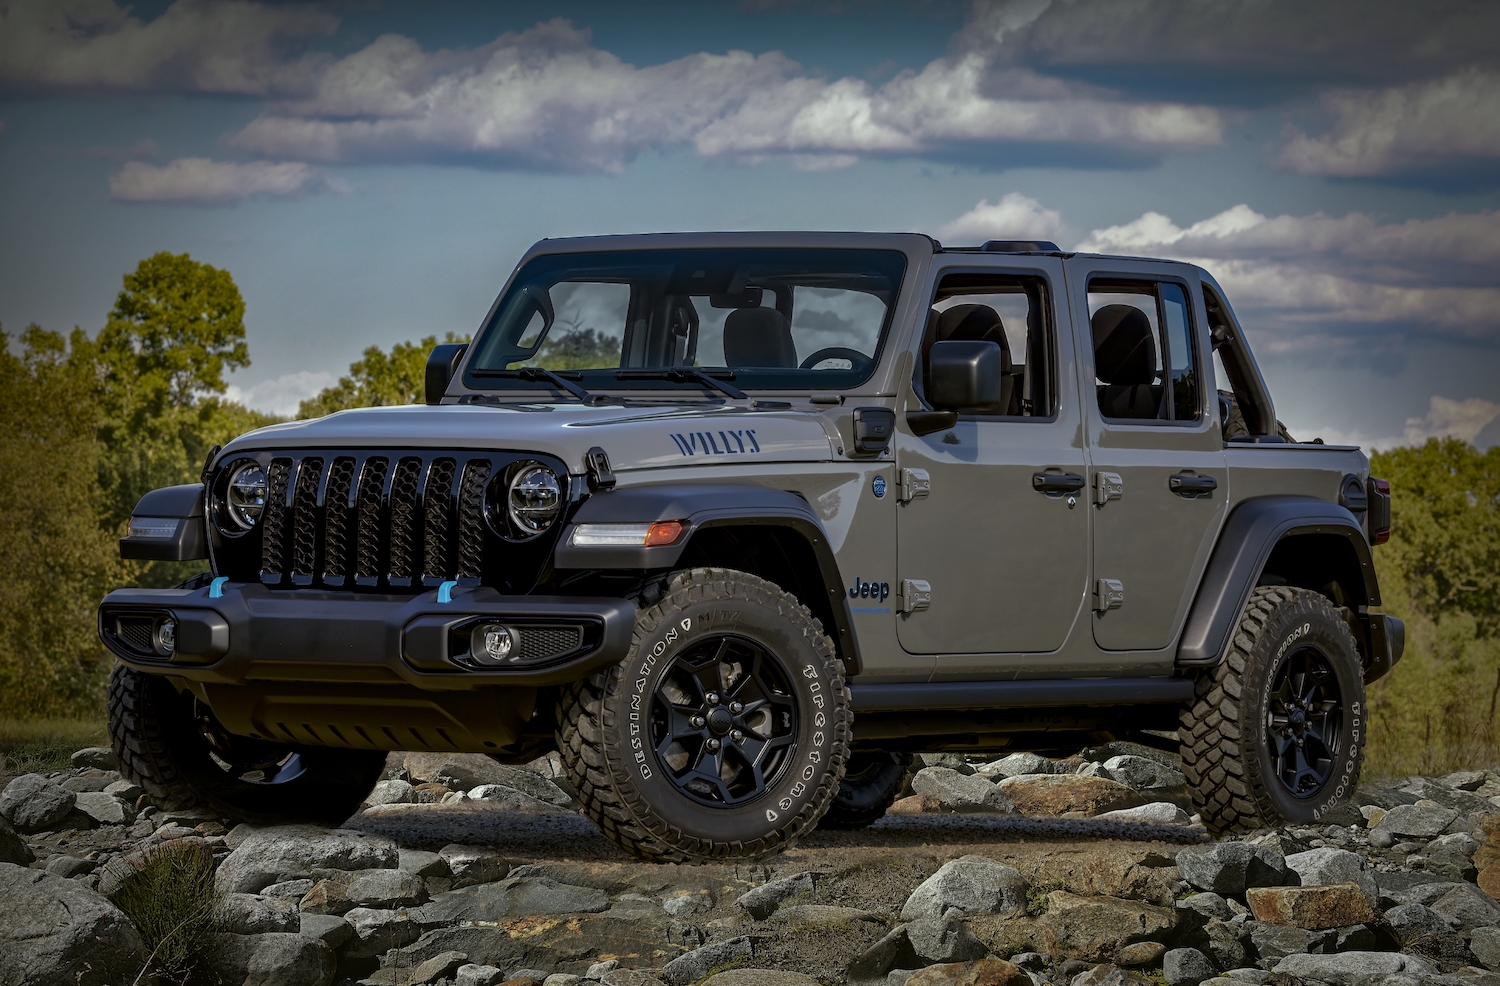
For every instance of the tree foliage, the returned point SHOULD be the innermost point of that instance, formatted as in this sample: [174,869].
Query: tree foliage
[379,379]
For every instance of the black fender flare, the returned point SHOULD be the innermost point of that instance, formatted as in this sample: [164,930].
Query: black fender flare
[699,506]
[1245,544]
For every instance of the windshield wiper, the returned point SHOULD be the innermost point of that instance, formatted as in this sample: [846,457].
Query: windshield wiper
[556,379]
[686,374]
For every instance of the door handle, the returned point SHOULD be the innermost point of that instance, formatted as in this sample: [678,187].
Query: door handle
[1056,484]
[1192,487]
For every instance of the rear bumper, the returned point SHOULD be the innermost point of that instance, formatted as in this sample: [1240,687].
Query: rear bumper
[1387,642]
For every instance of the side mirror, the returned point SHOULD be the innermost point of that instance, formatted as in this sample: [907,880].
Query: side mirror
[965,375]
[442,363]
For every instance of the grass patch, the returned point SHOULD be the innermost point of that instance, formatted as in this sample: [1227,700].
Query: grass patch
[172,901]
[42,745]
[1036,896]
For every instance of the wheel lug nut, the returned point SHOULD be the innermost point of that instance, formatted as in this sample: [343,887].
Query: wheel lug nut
[698,722]
[736,707]
[712,698]
[713,744]
[736,735]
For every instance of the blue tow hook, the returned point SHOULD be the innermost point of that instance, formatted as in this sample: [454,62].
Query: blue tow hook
[445,592]
[216,587]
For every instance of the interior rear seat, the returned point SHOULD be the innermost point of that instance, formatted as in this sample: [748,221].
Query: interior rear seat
[1125,359]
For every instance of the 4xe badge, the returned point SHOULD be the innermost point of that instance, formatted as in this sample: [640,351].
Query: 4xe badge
[877,486]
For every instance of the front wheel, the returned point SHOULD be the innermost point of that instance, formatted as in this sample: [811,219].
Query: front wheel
[1277,731]
[723,734]
[174,748]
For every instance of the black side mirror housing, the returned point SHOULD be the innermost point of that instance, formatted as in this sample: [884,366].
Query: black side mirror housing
[965,375]
[442,363]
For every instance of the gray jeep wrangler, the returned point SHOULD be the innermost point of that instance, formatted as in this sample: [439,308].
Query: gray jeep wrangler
[737,523]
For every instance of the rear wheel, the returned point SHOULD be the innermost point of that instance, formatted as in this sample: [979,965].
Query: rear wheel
[1277,730]
[723,734]
[173,747]
[871,783]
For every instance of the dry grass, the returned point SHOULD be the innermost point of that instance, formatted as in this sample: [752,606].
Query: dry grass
[172,901]
[43,745]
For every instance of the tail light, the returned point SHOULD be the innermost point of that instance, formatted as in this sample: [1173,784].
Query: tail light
[1378,520]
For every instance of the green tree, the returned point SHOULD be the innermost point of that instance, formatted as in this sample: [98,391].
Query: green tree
[379,379]
[579,349]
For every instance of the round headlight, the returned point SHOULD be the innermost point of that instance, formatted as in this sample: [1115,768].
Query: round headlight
[245,497]
[534,499]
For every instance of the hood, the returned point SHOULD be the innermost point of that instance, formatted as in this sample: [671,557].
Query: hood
[633,437]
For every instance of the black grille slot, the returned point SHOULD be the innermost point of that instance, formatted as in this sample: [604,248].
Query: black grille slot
[136,632]
[336,521]
[305,521]
[541,643]
[438,533]
[368,564]
[404,507]
[273,537]
[471,519]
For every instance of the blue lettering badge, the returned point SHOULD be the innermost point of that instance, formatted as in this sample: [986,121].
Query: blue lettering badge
[878,486]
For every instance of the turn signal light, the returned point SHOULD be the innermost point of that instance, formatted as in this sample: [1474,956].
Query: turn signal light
[663,532]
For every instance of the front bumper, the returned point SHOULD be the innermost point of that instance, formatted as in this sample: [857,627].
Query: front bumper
[363,670]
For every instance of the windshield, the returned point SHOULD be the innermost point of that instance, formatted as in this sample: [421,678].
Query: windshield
[766,319]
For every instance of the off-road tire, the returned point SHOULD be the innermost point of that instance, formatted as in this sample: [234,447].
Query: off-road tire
[160,747]
[871,782]
[1224,733]
[628,792]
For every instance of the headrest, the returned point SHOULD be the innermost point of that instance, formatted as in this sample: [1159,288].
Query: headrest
[758,337]
[1124,350]
[972,323]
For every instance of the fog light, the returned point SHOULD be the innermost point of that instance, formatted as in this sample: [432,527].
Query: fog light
[166,636]
[491,643]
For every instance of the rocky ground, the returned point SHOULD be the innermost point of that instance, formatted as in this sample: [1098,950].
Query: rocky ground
[1086,871]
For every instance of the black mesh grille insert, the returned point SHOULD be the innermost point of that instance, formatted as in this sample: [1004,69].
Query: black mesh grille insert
[471,519]
[540,643]
[369,564]
[438,533]
[305,520]
[404,508]
[136,633]
[273,537]
[336,519]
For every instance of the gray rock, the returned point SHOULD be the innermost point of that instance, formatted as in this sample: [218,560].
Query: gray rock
[32,803]
[560,979]
[440,966]
[1230,868]
[97,757]
[1221,942]
[1249,974]
[685,904]
[92,780]
[1460,842]
[961,792]
[392,792]
[1142,774]
[292,890]
[58,932]
[105,808]
[1275,942]
[474,864]
[514,897]
[419,862]
[68,867]
[330,929]
[1326,866]
[761,902]
[288,852]
[13,848]
[507,798]
[968,885]
[1186,967]
[466,771]
[1412,921]
[894,951]
[378,930]
[1155,813]
[953,761]
[598,969]
[694,965]
[1425,788]
[1350,968]
[1422,820]
[540,975]
[386,889]
[124,790]
[936,940]
[1015,765]
[641,977]
[1485,944]
[1465,780]
[271,960]
[1207,904]
[248,914]
[1467,907]
[475,974]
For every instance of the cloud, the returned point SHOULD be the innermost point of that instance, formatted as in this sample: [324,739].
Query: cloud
[1013,216]
[1469,420]
[199,181]
[281,395]
[1422,127]
[212,46]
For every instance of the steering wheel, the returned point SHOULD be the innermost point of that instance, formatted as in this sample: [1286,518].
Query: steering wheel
[858,361]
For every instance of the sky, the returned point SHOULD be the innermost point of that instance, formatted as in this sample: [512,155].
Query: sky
[370,172]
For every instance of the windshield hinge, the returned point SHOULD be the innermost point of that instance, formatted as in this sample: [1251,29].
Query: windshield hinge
[601,477]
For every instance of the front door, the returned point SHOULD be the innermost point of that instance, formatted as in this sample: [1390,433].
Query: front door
[1158,481]
[987,561]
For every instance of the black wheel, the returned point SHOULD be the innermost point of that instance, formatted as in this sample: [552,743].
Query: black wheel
[1276,733]
[723,734]
[871,783]
[171,745]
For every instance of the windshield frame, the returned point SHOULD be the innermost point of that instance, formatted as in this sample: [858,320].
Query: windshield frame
[896,256]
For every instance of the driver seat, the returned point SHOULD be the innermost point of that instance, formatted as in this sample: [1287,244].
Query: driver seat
[974,323]
[758,337]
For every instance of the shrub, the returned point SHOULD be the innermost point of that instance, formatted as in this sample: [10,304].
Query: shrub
[172,901]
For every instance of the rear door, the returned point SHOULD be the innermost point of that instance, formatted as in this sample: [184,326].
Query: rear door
[1158,482]
[1005,565]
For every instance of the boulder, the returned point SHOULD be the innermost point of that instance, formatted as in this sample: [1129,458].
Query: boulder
[917,804]
[248,914]
[1485,944]
[761,902]
[289,890]
[1275,942]
[1412,921]
[1313,908]
[1230,868]
[326,897]
[952,761]
[1155,813]
[936,940]
[330,929]
[514,897]
[474,864]
[1056,794]
[271,960]
[475,974]
[1465,906]
[419,862]
[1142,774]
[443,965]
[1015,765]
[13,848]
[695,965]
[1142,953]
[124,790]
[507,798]
[894,951]
[1186,967]
[286,852]
[1351,968]
[378,930]
[106,809]
[1327,865]
[392,792]
[33,803]
[1422,820]
[70,866]
[1096,928]
[1464,780]
[58,932]
[386,889]
[98,758]
[968,885]
[961,792]
[466,771]
[980,972]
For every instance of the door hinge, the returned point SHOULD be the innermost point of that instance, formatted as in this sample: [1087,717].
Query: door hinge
[1109,594]
[1107,486]
[913,595]
[914,483]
